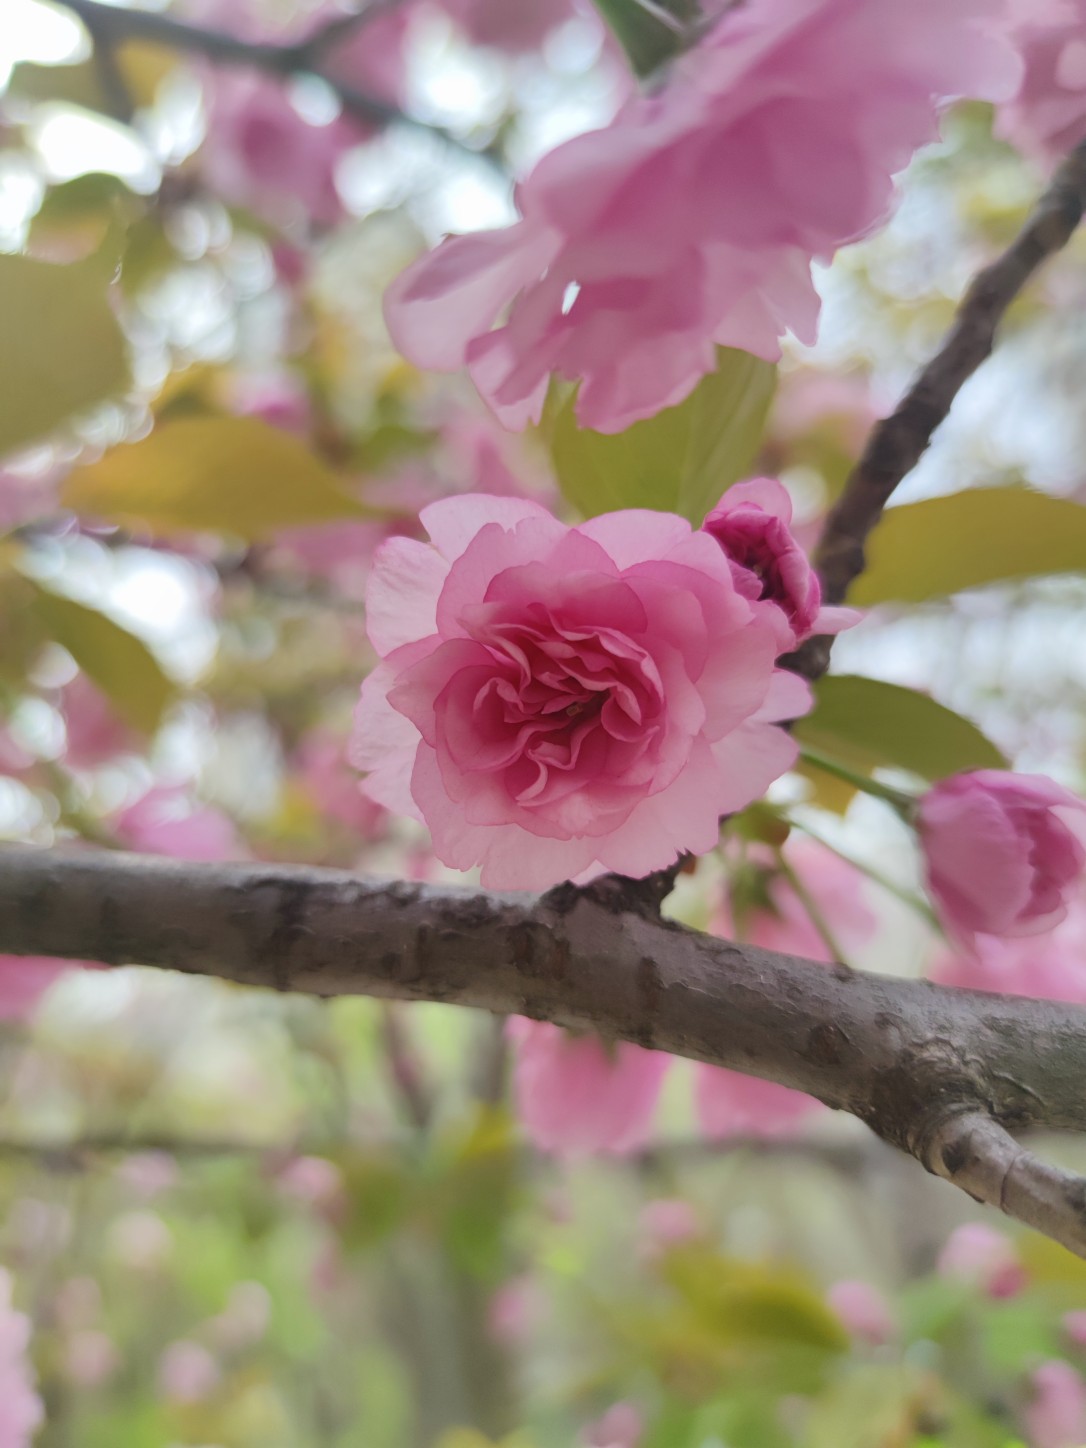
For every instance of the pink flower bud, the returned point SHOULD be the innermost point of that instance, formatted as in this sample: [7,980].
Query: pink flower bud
[1000,856]
[752,525]
[620,1427]
[187,1372]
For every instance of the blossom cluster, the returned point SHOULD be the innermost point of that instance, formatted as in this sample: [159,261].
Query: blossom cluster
[693,219]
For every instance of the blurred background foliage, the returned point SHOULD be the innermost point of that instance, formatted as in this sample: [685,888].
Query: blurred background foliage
[242,1220]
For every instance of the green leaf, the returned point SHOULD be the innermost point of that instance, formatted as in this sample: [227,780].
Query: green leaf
[233,475]
[985,535]
[647,39]
[679,461]
[120,664]
[865,724]
[61,350]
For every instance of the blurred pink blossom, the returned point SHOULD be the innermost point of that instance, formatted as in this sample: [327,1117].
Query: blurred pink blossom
[729,1103]
[187,1372]
[1074,1325]
[1049,967]
[24,979]
[1056,1417]
[512,1309]
[511,25]
[1048,115]
[621,1426]
[666,1222]
[96,733]
[693,218]
[864,1311]
[315,1182]
[20,1407]
[91,1357]
[262,154]
[321,766]
[277,398]
[986,1257]
[1002,852]
[148,1174]
[165,822]
[575,1095]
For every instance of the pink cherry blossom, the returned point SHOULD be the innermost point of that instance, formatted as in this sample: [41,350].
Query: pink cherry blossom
[664,1223]
[864,1311]
[1056,1416]
[557,701]
[984,1256]
[277,398]
[1048,115]
[1051,966]
[730,1103]
[21,1411]
[24,979]
[164,822]
[576,1095]
[693,218]
[1000,851]
[752,523]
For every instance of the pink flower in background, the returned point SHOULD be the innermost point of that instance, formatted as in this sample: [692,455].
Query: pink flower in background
[96,733]
[664,1223]
[693,218]
[730,1103]
[864,1311]
[575,1095]
[260,153]
[511,25]
[557,701]
[277,398]
[1048,115]
[165,822]
[1074,1325]
[622,1426]
[1056,1417]
[752,525]
[1049,967]
[1000,851]
[21,1411]
[24,979]
[322,768]
[986,1257]
[187,1372]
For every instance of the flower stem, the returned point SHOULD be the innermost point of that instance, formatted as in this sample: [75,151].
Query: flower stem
[905,804]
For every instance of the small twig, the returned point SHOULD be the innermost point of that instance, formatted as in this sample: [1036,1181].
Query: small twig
[897,444]
[115,24]
[405,1069]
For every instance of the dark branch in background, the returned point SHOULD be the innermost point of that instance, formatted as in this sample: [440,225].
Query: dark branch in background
[897,443]
[942,1074]
[110,25]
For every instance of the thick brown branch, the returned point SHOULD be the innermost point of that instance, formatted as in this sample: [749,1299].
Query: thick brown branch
[912,1060]
[897,443]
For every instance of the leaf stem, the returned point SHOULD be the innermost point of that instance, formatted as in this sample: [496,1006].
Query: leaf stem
[904,804]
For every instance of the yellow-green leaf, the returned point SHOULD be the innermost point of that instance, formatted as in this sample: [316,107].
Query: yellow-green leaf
[61,350]
[679,461]
[865,724]
[938,547]
[120,664]
[233,475]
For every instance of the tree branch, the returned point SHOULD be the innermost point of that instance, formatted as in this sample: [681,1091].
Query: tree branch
[111,24]
[942,1074]
[898,442]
